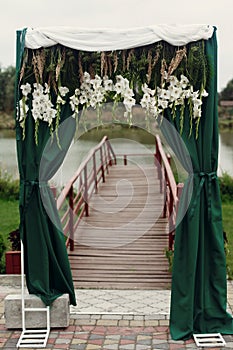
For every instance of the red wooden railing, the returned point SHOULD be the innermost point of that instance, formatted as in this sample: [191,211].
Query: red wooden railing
[81,186]
[73,202]
[172,191]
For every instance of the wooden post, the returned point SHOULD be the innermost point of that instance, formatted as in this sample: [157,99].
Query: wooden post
[169,158]
[109,155]
[102,164]
[179,189]
[95,175]
[71,218]
[86,191]
[159,159]
[125,159]
[165,203]
[106,156]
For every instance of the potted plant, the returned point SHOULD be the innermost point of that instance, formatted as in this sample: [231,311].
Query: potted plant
[13,257]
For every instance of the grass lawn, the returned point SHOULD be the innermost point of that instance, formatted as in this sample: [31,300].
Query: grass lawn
[227,212]
[9,217]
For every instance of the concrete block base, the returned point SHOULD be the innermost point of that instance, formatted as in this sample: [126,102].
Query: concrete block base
[59,312]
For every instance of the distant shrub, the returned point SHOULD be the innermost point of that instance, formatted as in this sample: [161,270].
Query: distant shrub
[9,188]
[226,187]
[14,238]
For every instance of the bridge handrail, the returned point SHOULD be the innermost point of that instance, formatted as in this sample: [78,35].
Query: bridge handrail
[172,191]
[87,180]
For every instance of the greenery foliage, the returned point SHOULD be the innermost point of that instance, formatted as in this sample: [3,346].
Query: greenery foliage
[7,82]
[227,92]
[226,187]
[14,238]
[60,65]
[9,188]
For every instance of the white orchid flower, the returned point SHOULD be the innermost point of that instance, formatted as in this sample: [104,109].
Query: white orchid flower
[38,87]
[164,94]
[60,100]
[162,103]
[118,88]
[204,93]
[129,101]
[63,90]
[26,89]
[36,114]
[183,81]
[108,85]
[175,92]
[174,82]
[196,112]
[197,102]
[86,77]
[83,99]
[96,83]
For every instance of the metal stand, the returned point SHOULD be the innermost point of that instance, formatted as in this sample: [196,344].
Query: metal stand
[32,338]
[209,340]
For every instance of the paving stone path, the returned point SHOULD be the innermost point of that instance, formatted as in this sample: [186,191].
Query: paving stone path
[110,331]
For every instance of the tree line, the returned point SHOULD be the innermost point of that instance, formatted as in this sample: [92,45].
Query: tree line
[7,86]
[7,82]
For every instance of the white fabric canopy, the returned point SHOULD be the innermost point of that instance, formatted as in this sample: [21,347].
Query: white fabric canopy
[109,39]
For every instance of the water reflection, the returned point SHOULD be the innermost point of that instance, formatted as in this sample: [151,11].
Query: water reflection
[226,152]
[79,149]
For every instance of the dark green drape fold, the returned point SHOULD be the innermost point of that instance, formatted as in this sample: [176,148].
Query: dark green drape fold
[198,300]
[47,268]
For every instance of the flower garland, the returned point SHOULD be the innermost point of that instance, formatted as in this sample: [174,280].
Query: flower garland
[94,92]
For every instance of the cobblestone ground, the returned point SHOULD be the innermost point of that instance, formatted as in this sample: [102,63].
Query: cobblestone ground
[108,332]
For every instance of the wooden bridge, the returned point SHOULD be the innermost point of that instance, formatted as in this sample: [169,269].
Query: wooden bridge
[119,218]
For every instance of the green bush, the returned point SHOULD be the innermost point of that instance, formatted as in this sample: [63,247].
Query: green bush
[9,188]
[226,187]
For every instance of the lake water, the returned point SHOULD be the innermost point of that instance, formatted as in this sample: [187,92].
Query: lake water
[125,141]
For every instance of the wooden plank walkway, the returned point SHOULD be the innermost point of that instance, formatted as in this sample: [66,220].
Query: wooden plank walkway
[122,243]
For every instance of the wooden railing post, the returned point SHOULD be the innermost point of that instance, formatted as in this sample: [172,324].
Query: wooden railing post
[71,218]
[159,159]
[102,164]
[169,158]
[165,201]
[157,154]
[125,159]
[86,191]
[86,181]
[95,174]
[113,154]
[179,189]
[109,153]
[106,163]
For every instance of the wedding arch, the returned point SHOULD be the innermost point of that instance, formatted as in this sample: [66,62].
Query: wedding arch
[171,71]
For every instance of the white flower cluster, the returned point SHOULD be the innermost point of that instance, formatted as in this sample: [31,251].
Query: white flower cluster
[171,94]
[94,92]
[42,107]
[91,93]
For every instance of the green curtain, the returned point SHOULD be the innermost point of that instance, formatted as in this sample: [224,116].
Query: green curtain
[198,299]
[47,268]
